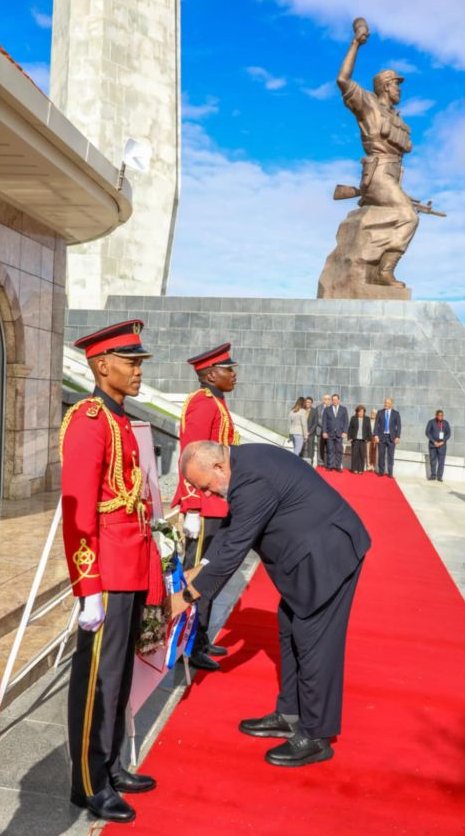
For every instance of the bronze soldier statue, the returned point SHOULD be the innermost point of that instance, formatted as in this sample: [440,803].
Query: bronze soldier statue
[372,240]
[385,139]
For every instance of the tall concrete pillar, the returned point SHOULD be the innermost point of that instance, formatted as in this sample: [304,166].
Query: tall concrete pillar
[115,74]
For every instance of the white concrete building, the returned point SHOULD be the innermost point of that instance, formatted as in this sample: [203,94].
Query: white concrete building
[115,74]
[56,189]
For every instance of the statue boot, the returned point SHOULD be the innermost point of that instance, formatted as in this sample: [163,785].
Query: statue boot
[385,274]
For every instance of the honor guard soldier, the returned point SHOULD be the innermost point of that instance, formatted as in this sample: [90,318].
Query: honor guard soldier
[114,567]
[205,417]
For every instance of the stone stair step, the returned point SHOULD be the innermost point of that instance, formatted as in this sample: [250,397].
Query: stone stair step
[37,636]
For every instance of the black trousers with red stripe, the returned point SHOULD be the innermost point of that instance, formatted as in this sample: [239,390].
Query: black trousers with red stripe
[195,550]
[99,688]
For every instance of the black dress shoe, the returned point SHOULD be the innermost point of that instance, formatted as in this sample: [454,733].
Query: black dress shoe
[202,661]
[216,650]
[129,782]
[299,751]
[106,804]
[271,725]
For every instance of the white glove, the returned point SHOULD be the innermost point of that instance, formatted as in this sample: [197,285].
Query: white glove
[92,614]
[191,526]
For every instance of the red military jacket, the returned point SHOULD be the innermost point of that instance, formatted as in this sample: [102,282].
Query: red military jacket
[106,528]
[205,417]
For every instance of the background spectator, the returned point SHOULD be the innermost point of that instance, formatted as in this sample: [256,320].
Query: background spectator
[438,434]
[321,442]
[372,446]
[387,435]
[312,422]
[359,434]
[298,425]
[335,426]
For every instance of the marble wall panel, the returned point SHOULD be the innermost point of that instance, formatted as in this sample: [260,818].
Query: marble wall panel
[32,276]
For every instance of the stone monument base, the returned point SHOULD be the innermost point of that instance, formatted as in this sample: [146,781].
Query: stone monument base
[350,270]
[364,349]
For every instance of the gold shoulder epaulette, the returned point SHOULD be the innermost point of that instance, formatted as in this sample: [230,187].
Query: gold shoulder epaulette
[94,408]
[95,405]
[186,404]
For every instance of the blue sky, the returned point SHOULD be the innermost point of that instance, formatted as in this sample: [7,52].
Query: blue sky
[266,136]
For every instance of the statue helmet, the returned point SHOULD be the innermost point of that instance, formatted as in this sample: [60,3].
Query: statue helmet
[384,77]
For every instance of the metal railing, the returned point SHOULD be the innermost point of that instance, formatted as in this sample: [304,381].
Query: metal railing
[28,617]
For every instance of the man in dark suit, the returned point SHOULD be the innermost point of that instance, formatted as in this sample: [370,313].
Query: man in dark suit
[322,443]
[335,426]
[312,545]
[387,436]
[312,423]
[438,434]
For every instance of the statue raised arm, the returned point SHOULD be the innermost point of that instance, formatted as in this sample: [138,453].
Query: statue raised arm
[379,236]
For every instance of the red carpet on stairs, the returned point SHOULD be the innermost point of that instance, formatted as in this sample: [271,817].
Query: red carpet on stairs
[399,765]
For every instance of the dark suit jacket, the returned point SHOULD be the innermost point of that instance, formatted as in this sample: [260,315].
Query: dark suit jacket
[309,538]
[394,424]
[335,425]
[353,428]
[432,431]
[312,421]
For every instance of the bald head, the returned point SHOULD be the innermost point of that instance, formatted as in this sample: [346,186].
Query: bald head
[205,464]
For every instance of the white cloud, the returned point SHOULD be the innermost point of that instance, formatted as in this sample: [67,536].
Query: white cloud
[416,106]
[439,30]
[443,152]
[324,91]
[44,21]
[270,82]
[403,65]
[244,230]
[198,112]
[40,74]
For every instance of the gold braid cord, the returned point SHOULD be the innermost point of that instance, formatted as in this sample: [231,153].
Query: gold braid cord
[225,420]
[123,498]
[83,560]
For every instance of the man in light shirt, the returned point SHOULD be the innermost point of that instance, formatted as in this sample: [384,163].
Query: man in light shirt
[387,436]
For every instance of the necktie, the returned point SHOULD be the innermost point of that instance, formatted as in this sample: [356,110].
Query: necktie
[386,420]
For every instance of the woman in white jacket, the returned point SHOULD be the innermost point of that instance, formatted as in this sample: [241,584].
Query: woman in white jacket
[298,425]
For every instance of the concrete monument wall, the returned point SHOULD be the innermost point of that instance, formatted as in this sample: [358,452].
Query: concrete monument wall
[115,74]
[366,350]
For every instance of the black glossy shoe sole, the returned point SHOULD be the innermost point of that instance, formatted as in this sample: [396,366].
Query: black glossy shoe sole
[81,801]
[318,757]
[216,650]
[134,788]
[267,732]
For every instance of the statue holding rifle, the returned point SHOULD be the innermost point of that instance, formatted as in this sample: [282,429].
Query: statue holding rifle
[372,239]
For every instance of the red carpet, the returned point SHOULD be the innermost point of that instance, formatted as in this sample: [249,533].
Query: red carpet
[399,766]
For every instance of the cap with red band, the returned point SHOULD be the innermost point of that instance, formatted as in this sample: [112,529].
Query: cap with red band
[218,356]
[122,339]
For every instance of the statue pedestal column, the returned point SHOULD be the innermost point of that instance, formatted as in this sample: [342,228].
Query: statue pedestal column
[350,270]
